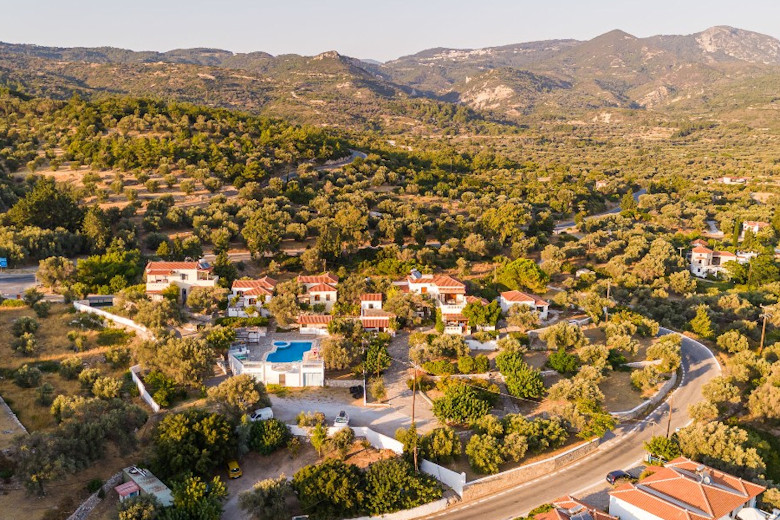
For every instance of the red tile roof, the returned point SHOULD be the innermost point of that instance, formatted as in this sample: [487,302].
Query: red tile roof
[460,318]
[521,297]
[263,286]
[687,490]
[374,323]
[314,319]
[439,280]
[753,223]
[322,287]
[371,297]
[172,266]
[320,278]
[701,249]
[476,299]
[567,507]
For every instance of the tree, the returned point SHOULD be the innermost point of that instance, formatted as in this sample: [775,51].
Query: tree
[732,341]
[667,349]
[393,485]
[264,230]
[524,274]
[764,401]
[206,300]
[479,314]
[377,357]
[268,436]
[523,317]
[141,507]
[701,324]
[46,206]
[239,395]
[220,338]
[440,445]
[187,361]
[96,229]
[330,490]
[284,306]
[720,390]
[318,437]
[106,388]
[663,447]
[485,454]
[195,499]
[55,271]
[193,441]
[563,362]
[267,499]
[628,204]
[721,446]
[338,353]
[157,314]
[682,282]
[461,404]
[514,447]
[521,380]
[564,335]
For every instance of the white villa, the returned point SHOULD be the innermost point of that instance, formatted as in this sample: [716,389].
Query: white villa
[250,293]
[685,490]
[510,299]
[372,316]
[320,290]
[753,226]
[447,293]
[705,261]
[569,508]
[184,275]
[307,369]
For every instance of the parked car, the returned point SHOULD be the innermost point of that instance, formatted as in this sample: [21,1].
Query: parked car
[262,414]
[234,470]
[342,420]
[618,474]
[356,391]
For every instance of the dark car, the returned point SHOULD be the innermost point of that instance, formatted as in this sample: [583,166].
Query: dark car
[615,476]
[356,391]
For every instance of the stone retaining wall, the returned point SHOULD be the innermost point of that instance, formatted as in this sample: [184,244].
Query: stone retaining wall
[416,512]
[649,403]
[13,416]
[343,383]
[89,504]
[507,479]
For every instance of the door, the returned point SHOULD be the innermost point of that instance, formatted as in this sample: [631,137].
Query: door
[282,380]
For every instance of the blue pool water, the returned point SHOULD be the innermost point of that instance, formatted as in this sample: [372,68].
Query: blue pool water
[287,354]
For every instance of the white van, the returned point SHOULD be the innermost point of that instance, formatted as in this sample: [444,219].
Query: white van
[262,414]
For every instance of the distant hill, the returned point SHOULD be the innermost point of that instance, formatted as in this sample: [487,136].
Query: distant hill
[721,71]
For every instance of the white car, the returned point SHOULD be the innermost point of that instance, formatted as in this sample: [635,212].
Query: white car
[341,420]
[262,414]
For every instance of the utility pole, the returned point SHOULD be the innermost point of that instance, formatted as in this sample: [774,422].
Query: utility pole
[606,307]
[414,396]
[763,331]
[669,422]
[681,250]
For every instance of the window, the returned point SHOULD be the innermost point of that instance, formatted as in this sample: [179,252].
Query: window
[327,297]
[316,297]
[183,276]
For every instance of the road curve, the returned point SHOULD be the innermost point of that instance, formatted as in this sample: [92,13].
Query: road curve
[560,226]
[620,449]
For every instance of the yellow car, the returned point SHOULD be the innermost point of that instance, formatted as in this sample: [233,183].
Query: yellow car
[234,470]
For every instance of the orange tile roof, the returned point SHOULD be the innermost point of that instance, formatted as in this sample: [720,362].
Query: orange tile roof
[374,323]
[701,249]
[753,223]
[263,286]
[455,317]
[314,319]
[521,297]
[320,278]
[476,299]
[567,507]
[322,287]
[172,266]
[685,490]
[371,297]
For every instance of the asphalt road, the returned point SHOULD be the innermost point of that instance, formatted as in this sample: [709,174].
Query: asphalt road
[621,450]
[13,283]
[570,223]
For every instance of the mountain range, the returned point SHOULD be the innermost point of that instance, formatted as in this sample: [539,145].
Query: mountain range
[721,72]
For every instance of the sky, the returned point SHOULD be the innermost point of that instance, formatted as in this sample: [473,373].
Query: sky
[375,29]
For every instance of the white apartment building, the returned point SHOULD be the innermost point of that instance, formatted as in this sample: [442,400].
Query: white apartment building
[184,275]
[510,299]
[705,261]
[320,290]
[251,294]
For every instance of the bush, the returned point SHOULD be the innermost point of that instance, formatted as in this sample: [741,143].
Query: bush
[24,325]
[563,362]
[41,308]
[441,367]
[304,419]
[342,441]
[71,367]
[88,376]
[484,452]
[385,478]
[481,364]
[541,433]
[13,303]
[163,389]
[118,357]
[94,484]
[106,388]
[112,336]
[466,364]
[268,436]
[258,321]
[26,344]
[440,445]
[27,376]
[423,383]
[521,380]
[461,404]
[45,394]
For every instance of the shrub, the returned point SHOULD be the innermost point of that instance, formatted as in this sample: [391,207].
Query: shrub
[71,367]
[118,357]
[94,484]
[521,380]
[423,383]
[484,452]
[112,336]
[27,376]
[41,308]
[466,364]
[305,419]
[563,362]
[45,394]
[385,478]
[13,303]
[268,436]
[24,325]
[541,433]
[481,364]
[88,376]
[645,378]
[342,441]
[461,404]
[441,367]
[106,388]
[26,344]
[163,389]
[440,445]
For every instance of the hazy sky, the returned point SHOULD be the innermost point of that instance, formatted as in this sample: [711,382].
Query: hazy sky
[379,29]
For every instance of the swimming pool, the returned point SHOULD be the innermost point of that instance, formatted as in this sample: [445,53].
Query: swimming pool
[287,352]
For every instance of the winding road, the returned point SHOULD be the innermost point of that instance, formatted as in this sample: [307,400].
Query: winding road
[620,449]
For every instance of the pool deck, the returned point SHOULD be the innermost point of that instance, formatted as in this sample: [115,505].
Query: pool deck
[257,351]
